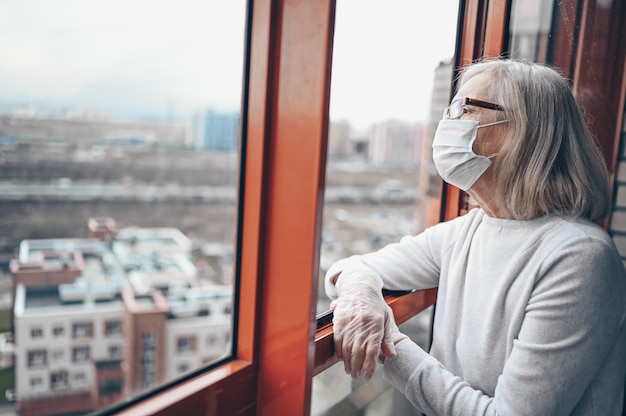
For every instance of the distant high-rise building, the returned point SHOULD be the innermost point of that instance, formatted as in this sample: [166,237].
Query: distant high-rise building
[429,189]
[395,144]
[213,130]
[339,144]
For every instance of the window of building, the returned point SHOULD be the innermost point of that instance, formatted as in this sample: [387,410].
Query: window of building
[113,328]
[37,358]
[36,382]
[79,379]
[148,338]
[80,354]
[182,368]
[59,380]
[211,339]
[58,330]
[109,365]
[115,352]
[36,332]
[110,386]
[57,355]
[82,330]
[148,360]
[186,344]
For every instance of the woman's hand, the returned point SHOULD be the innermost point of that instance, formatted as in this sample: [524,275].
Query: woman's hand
[364,327]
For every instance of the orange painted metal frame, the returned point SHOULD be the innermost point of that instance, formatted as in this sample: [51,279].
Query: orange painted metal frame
[288,94]
[296,162]
[404,307]
[496,28]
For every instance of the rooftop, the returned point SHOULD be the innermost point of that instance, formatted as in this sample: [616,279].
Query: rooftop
[139,259]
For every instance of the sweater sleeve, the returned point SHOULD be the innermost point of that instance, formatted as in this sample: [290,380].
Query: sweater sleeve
[412,263]
[572,320]
[406,265]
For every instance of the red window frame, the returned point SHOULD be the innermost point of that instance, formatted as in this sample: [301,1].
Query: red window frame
[286,121]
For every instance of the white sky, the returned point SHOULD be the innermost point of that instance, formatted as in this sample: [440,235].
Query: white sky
[385,54]
[157,56]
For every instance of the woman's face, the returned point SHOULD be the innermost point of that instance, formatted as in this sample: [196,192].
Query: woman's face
[489,139]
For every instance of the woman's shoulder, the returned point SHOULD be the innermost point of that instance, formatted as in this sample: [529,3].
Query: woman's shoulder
[458,226]
[586,241]
[550,226]
[580,229]
[474,215]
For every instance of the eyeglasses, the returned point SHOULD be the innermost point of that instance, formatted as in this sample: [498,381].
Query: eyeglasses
[456,108]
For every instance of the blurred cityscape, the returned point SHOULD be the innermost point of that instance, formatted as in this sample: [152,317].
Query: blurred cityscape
[118,237]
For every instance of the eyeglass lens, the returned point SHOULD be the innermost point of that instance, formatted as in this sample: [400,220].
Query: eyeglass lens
[456,109]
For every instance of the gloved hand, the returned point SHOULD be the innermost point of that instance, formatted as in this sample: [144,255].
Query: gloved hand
[364,327]
[392,334]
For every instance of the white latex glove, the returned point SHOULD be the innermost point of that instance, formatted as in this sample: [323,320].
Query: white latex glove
[364,327]
[392,333]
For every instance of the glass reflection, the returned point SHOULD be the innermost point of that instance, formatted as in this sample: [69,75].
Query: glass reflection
[391,78]
[119,137]
[531,22]
[385,104]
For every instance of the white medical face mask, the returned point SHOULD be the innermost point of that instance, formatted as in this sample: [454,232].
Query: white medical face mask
[454,158]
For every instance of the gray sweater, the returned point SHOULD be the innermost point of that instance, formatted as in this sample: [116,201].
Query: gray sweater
[529,317]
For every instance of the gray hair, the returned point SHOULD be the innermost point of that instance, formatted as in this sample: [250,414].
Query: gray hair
[549,163]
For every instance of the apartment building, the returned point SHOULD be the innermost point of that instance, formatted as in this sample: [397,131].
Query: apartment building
[100,319]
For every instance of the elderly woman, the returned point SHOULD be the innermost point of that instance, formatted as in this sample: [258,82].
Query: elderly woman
[532,292]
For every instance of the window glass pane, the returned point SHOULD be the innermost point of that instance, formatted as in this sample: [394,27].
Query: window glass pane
[391,79]
[119,166]
[390,83]
[334,393]
[530,29]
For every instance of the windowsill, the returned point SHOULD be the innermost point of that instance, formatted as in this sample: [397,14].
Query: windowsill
[211,385]
[215,388]
[404,307]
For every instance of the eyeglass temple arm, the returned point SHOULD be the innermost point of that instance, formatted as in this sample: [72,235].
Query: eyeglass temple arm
[483,104]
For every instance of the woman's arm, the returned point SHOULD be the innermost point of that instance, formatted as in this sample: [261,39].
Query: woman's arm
[573,324]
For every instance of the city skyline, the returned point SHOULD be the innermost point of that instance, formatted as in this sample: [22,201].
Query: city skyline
[145,59]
